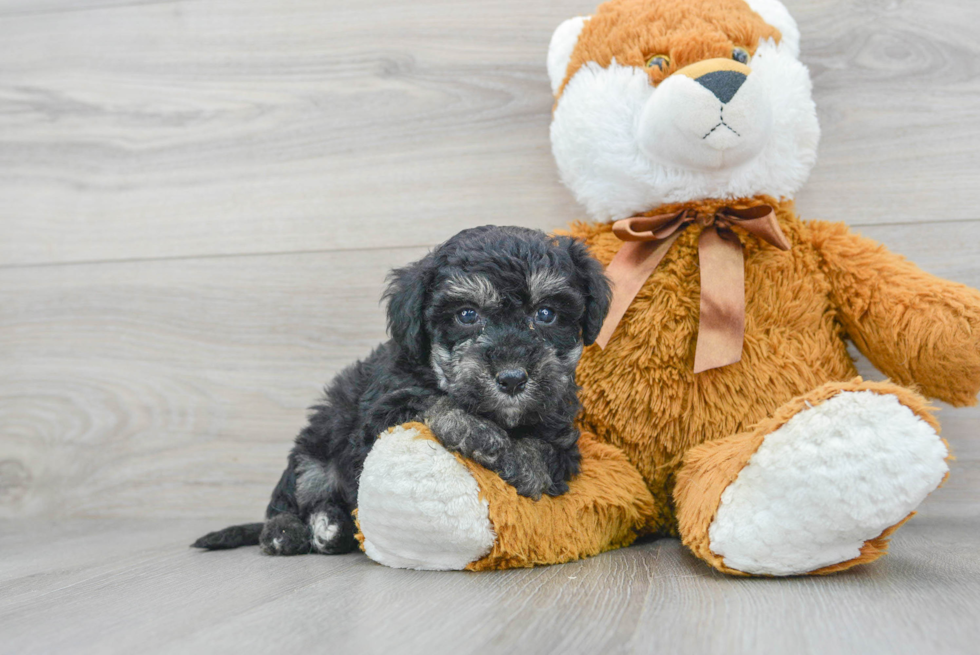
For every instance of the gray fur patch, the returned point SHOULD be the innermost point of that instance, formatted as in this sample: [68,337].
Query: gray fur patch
[570,359]
[314,481]
[475,288]
[441,359]
[543,283]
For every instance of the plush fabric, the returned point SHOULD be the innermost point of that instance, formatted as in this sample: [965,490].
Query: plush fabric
[783,463]
[688,31]
[628,137]
[420,507]
[422,510]
[606,507]
[710,469]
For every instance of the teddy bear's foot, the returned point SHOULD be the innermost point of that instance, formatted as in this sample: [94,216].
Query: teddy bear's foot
[421,507]
[817,488]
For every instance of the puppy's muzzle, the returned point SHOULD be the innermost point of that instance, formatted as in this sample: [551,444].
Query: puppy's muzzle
[512,381]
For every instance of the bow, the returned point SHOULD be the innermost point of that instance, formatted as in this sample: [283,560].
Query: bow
[647,239]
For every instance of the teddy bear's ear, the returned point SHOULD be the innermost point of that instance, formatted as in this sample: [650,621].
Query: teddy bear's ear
[560,50]
[776,14]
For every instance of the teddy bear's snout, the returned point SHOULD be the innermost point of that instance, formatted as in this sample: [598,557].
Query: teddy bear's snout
[710,115]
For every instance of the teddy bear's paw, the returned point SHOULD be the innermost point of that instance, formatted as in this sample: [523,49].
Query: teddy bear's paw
[419,507]
[833,477]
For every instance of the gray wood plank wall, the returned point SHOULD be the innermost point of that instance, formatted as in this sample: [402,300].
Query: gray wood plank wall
[199,202]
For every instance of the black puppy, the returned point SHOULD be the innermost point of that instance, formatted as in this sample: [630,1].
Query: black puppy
[486,332]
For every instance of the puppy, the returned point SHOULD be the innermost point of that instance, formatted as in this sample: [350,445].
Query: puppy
[486,332]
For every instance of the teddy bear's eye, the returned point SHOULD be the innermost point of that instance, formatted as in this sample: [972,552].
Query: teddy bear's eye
[741,55]
[660,61]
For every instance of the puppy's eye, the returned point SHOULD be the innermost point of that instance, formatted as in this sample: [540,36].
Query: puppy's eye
[545,316]
[660,61]
[467,316]
[741,55]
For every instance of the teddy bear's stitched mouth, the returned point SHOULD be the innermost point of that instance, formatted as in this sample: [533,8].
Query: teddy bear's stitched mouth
[721,123]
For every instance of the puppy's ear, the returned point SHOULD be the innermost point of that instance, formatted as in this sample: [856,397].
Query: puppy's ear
[406,295]
[595,287]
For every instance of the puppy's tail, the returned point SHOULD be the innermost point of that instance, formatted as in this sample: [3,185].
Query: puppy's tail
[231,537]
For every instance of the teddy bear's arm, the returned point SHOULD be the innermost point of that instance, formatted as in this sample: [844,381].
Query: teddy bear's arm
[916,328]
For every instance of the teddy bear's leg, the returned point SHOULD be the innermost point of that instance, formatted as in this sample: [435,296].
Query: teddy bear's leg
[422,507]
[817,488]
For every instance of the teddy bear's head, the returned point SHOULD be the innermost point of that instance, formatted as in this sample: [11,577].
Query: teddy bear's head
[661,101]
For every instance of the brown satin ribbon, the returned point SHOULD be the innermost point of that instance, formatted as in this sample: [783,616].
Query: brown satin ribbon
[647,239]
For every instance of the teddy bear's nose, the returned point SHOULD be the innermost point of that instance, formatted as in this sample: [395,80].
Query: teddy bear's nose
[724,84]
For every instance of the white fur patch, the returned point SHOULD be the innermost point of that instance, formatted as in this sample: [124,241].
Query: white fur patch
[775,13]
[831,478]
[598,127]
[323,530]
[560,49]
[419,508]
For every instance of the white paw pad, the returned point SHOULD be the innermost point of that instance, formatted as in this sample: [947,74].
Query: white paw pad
[831,478]
[419,508]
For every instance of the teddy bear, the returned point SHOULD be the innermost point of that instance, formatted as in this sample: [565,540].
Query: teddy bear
[720,403]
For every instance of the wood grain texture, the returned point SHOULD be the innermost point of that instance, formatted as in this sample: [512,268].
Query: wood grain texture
[897,83]
[172,129]
[167,128]
[199,201]
[123,586]
[152,386]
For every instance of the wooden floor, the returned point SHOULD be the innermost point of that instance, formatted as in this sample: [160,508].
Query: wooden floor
[199,201]
[132,586]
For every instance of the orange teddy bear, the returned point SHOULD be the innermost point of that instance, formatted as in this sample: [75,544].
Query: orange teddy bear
[720,403]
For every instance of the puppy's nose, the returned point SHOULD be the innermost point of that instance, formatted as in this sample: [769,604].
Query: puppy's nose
[724,84]
[512,380]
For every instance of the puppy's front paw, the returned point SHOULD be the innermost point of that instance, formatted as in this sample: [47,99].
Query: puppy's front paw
[524,470]
[529,488]
[285,534]
[466,434]
[557,488]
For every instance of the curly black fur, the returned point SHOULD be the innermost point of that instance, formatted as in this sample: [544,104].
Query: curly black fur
[486,332]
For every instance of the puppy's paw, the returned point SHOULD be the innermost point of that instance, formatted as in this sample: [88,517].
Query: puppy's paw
[332,531]
[462,432]
[557,488]
[529,488]
[524,470]
[285,534]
